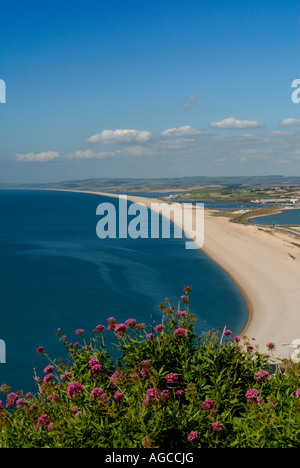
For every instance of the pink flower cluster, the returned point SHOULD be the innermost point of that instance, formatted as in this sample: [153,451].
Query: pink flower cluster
[99,395]
[193,436]
[180,332]
[131,323]
[45,422]
[209,406]
[262,375]
[11,400]
[172,378]
[111,323]
[121,328]
[153,397]
[252,396]
[146,369]
[74,390]
[217,426]
[116,377]
[270,345]
[96,368]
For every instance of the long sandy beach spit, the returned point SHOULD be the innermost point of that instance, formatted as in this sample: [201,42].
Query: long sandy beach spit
[265,265]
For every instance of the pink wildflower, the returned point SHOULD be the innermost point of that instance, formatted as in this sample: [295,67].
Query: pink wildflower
[297,393]
[120,328]
[20,402]
[150,336]
[180,332]
[270,345]
[111,323]
[48,378]
[160,328]
[171,378]
[165,395]
[193,436]
[217,426]
[74,390]
[98,394]
[43,420]
[131,322]
[209,406]
[93,361]
[40,350]
[96,369]
[251,393]
[262,375]
[68,376]
[100,328]
[118,396]
[152,396]
[48,369]
[11,400]
[146,363]
[79,332]
[252,396]
[147,372]
[116,377]
[227,332]
[183,313]
[54,397]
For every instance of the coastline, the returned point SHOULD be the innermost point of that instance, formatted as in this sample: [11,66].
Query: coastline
[265,266]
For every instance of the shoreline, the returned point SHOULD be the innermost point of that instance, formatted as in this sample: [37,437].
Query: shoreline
[265,266]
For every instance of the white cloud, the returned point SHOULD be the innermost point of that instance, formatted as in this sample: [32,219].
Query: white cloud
[191,103]
[90,155]
[38,157]
[290,122]
[232,123]
[186,131]
[110,137]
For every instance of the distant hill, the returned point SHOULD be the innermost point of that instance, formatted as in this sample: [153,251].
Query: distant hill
[181,183]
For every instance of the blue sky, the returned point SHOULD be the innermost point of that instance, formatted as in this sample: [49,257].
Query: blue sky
[148,89]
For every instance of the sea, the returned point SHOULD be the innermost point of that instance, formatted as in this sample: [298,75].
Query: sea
[288,217]
[56,273]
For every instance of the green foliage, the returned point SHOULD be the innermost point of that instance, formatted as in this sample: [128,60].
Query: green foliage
[167,389]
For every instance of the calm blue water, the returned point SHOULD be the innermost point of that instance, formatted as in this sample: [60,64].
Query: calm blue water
[288,217]
[56,273]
